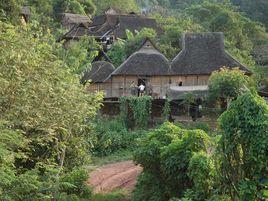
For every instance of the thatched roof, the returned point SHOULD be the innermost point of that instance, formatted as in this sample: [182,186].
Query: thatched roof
[71,18]
[118,24]
[203,53]
[25,10]
[146,61]
[75,32]
[113,23]
[99,72]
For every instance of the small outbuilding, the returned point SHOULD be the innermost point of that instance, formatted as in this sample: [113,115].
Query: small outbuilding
[98,76]
[25,14]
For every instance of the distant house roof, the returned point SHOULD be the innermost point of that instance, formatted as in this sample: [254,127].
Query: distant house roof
[117,24]
[146,61]
[99,72]
[75,32]
[25,10]
[74,19]
[203,53]
[113,23]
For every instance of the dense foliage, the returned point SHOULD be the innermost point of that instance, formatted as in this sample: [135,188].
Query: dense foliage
[174,161]
[136,111]
[120,50]
[244,147]
[111,136]
[228,84]
[44,110]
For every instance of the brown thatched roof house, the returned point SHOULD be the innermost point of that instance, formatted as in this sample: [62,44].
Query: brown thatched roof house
[147,61]
[188,72]
[98,73]
[146,66]
[203,53]
[112,25]
[69,20]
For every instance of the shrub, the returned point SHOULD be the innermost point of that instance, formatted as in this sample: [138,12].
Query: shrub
[110,136]
[201,171]
[148,153]
[244,146]
[165,155]
[149,187]
[73,184]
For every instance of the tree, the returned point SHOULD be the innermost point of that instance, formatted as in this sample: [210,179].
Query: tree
[122,50]
[41,98]
[244,147]
[240,32]
[170,42]
[124,6]
[10,10]
[227,84]
[86,7]
[174,161]
[257,10]
[79,54]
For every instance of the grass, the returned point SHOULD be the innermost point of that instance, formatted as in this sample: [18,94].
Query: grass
[118,195]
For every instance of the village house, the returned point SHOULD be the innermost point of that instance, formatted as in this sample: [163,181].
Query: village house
[201,54]
[146,66]
[70,20]
[189,71]
[111,26]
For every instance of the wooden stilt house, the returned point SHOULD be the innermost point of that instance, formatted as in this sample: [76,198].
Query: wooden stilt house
[146,66]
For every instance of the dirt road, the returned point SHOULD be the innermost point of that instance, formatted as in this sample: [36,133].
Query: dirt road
[122,175]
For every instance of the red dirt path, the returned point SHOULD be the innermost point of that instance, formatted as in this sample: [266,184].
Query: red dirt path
[122,175]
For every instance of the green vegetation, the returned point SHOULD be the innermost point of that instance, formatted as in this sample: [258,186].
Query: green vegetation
[228,84]
[114,196]
[43,131]
[111,136]
[244,147]
[50,134]
[191,165]
[120,50]
[135,112]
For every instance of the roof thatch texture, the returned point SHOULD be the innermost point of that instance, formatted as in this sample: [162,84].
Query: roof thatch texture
[114,24]
[134,23]
[70,18]
[99,72]
[146,61]
[75,32]
[25,10]
[203,53]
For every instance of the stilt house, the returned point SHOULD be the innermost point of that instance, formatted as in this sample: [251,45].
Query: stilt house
[147,66]
[98,77]
[189,71]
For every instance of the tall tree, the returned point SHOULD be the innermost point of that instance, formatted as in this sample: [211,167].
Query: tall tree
[10,10]
[244,147]
[123,5]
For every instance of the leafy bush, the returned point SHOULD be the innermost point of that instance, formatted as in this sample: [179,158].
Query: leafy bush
[148,153]
[244,146]
[149,187]
[118,195]
[170,165]
[110,136]
[202,173]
